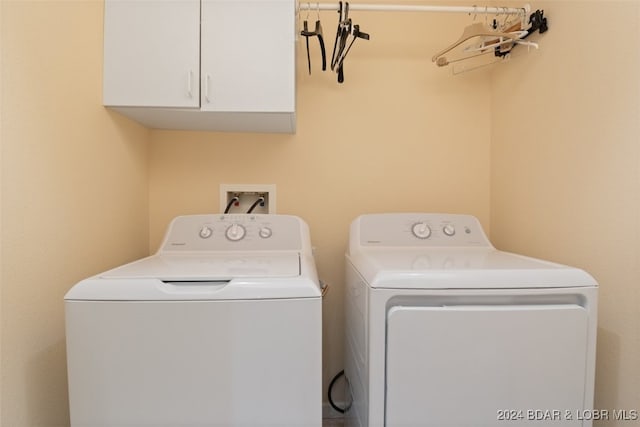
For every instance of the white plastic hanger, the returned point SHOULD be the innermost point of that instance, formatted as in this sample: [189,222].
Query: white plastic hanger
[500,42]
[479,29]
[465,69]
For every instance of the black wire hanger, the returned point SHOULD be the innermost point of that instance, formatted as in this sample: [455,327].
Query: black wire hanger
[317,32]
[340,46]
[537,22]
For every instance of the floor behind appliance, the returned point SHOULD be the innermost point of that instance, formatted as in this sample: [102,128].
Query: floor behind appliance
[221,327]
[445,330]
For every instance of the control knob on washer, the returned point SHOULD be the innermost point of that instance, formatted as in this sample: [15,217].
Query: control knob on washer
[265,232]
[421,230]
[235,232]
[205,232]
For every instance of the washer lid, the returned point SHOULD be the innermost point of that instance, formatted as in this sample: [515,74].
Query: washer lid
[201,277]
[210,266]
[463,268]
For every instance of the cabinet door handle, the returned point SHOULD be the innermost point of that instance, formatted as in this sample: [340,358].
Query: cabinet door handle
[190,83]
[206,88]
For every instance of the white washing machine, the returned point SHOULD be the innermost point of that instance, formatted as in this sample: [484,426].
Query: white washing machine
[445,330]
[221,327]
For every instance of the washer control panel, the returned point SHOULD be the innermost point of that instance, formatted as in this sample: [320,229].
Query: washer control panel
[411,230]
[234,232]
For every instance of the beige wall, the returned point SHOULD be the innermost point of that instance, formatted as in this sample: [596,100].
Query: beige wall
[565,180]
[1,185]
[74,193]
[398,135]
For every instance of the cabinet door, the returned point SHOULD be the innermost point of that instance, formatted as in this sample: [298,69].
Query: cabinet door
[151,53]
[248,52]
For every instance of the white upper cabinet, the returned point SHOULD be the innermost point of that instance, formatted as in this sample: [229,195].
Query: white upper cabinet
[226,65]
[247,55]
[152,53]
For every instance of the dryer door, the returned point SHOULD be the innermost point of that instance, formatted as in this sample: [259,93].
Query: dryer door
[485,365]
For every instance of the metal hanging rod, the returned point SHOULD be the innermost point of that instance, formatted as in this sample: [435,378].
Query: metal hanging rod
[479,10]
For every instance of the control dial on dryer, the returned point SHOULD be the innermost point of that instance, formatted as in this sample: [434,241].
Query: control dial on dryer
[421,230]
[235,232]
[449,230]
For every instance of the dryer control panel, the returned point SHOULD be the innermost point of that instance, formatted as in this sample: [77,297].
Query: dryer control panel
[235,233]
[418,230]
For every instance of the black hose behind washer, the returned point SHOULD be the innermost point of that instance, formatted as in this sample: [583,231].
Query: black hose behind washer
[331,384]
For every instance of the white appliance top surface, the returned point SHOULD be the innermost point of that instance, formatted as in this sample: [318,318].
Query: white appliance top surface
[391,251]
[219,266]
[211,257]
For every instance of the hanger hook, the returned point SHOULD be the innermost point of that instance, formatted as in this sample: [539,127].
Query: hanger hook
[475,11]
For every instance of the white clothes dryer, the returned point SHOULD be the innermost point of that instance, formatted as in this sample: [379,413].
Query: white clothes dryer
[221,327]
[445,330]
